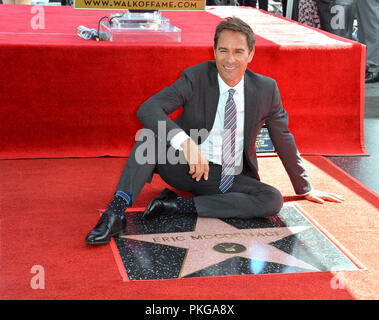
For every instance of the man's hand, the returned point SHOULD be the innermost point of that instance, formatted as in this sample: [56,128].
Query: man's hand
[321,197]
[198,163]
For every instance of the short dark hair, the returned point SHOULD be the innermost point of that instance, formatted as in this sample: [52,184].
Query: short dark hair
[237,25]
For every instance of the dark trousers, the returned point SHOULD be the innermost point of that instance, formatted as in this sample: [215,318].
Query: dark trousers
[368,31]
[263,4]
[247,198]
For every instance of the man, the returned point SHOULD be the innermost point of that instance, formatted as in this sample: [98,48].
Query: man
[368,34]
[336,16]
[228,104]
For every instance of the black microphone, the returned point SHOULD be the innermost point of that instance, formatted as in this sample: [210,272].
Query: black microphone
[87,34]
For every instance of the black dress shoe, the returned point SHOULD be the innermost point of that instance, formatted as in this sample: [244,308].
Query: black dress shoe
[164,204]
[108,226]
[168,194]
[372,77]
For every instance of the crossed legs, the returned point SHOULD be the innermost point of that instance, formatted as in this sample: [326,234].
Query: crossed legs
[247,198]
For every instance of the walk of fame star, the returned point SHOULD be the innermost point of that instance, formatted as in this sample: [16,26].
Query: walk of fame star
[190,246]
[209,233]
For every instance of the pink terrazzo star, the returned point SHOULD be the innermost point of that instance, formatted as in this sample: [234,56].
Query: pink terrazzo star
[214,241]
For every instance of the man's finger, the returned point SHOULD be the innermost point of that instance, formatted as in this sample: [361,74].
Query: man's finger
[318,200]
[192,169]
[337,196]
[194,172]
[315,199]
[198,172]
[333,198]
[206,172]
[202,171]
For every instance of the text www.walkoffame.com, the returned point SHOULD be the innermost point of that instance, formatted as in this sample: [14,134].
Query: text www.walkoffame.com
[141,4]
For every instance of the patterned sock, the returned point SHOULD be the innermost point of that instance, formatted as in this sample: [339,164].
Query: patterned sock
[119,203]
[185,205]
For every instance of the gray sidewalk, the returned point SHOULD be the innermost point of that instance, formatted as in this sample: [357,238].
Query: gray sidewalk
[372,100]
[366,169]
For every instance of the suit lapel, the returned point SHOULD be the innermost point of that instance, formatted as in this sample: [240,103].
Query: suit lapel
[250,109]
[212,95]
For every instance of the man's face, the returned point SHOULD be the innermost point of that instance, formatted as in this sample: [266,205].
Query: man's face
[232,56]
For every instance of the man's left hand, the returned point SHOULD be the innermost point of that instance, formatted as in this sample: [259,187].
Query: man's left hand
[321,197]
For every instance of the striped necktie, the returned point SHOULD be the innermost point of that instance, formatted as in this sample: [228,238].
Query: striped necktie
[228,143]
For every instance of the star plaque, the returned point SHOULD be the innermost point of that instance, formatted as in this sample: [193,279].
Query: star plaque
[180,246]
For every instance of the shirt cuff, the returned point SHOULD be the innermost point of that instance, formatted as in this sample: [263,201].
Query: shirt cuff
[178,139]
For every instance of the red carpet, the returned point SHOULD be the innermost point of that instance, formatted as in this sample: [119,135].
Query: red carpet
[48,207]
[63,96]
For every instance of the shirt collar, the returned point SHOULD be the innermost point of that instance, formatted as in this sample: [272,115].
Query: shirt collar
[224,87]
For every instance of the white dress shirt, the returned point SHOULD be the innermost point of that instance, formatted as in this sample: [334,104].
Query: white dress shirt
[212,146]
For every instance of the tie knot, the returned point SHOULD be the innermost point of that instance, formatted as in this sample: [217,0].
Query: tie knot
[231,92]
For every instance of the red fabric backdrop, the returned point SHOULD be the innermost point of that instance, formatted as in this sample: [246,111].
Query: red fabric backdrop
[62,96]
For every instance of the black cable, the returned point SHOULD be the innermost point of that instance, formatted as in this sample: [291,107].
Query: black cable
[98,27]
[110,23]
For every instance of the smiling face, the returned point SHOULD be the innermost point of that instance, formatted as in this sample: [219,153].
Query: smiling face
[232,56]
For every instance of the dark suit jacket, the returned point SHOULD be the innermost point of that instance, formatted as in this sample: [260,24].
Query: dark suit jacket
[197,91]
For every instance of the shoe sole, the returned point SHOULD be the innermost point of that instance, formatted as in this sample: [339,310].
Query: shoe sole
[145,215]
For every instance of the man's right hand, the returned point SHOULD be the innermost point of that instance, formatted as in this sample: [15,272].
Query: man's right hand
[198,163]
